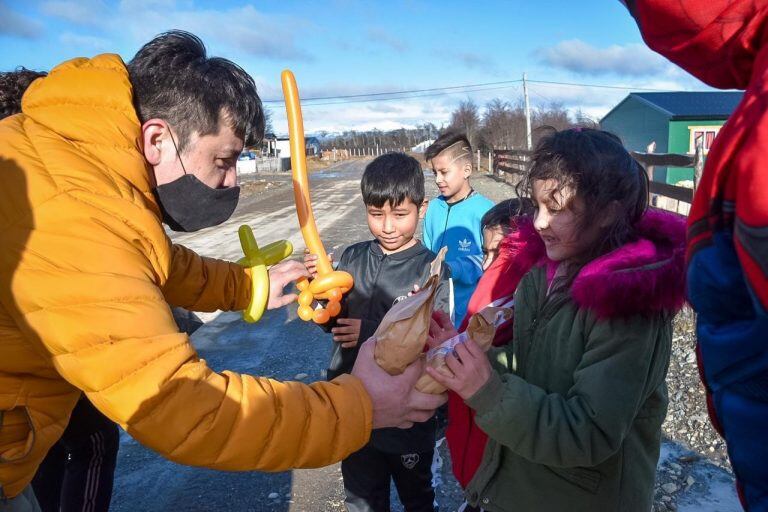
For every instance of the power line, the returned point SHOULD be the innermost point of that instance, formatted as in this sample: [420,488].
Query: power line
[597,86]
[442,91]
[396,92]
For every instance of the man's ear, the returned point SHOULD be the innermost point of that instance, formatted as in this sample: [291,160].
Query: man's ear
[154,135]
[423,209]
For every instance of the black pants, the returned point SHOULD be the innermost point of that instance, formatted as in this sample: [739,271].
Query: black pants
[367,475]
[78,471]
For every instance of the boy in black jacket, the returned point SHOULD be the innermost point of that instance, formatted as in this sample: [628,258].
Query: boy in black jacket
[385,271]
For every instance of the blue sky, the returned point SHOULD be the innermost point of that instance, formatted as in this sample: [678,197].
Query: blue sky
[343,47]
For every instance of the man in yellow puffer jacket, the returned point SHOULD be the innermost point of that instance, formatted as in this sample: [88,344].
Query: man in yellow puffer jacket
[100,156]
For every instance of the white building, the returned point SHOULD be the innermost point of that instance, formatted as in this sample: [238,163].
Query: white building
[422,146]
[283,145]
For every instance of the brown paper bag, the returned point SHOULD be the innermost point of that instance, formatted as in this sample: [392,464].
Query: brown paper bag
[481,328]
[402,333]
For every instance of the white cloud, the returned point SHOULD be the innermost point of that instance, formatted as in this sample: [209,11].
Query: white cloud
[80,12]
[14,24]
[582,58]
[242,28]
[90,42]
[385,38]
[596,102]
[475,61]
[366,116]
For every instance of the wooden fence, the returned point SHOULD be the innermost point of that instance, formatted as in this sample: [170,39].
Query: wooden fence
[511,164]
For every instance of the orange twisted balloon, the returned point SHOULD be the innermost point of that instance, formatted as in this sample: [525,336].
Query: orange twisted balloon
[329,284]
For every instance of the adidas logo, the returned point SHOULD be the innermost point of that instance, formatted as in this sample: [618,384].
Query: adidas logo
[464,245]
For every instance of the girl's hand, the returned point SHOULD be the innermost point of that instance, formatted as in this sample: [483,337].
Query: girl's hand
[310,261]
[349,332]
[440,329]
[470,367]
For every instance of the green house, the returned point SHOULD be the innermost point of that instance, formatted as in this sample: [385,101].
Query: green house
[673,120]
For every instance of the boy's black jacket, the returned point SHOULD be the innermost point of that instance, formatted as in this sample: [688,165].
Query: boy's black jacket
[381,280]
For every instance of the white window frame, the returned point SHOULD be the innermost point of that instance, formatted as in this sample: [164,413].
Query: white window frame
[704,129]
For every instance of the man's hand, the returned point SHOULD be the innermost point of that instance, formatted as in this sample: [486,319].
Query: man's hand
[395,401]
[347,332]
[310,261]
[280,276]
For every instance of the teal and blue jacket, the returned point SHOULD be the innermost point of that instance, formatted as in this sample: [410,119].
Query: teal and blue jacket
[457,226]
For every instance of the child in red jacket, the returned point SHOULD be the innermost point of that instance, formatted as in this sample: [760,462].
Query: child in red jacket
[507,229]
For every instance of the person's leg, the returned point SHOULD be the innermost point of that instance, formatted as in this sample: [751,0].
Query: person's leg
[413,478]
[92,442]
[366,481]
[50,477]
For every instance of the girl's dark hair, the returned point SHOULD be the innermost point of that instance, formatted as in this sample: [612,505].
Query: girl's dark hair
[393,177]
[174,79]
[501,214]
[594,164]
[12,87]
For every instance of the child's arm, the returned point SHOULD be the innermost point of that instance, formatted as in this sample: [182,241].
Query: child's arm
[467,269]
[620,367]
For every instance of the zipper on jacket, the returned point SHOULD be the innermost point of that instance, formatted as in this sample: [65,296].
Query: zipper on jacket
[445,227]
[545,310]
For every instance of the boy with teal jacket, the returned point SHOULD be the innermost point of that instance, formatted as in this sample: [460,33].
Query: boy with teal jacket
[453,218]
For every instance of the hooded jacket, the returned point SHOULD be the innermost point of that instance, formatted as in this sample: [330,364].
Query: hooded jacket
[87,274]
[725,44]
[574,416]
[518,252]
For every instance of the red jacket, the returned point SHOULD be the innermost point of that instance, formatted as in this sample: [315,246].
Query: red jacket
[725,44]
[466,441]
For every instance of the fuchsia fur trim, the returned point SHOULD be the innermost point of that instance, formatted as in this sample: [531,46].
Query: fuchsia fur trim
[642,277]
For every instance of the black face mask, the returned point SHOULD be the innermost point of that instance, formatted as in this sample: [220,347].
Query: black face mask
[188,204]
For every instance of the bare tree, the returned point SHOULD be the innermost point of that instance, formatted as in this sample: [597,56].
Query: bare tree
[466,118]
[268,127]
[584,120]
[503,125]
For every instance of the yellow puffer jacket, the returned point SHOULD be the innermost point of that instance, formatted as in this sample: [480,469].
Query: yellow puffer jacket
[86,276]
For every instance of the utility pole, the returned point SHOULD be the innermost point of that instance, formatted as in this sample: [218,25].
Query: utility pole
[527,111]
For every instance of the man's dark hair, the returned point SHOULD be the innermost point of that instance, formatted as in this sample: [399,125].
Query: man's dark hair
[456,142]
[174,79]
[393,177]
[502,213]
[12,87]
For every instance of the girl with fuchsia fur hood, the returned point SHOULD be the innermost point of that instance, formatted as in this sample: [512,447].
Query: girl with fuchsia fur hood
[573,406]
